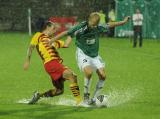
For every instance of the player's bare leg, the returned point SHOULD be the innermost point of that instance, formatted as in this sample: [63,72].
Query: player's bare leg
[100,83]
[71,76]
[58,90]
[87,82]
[52,93]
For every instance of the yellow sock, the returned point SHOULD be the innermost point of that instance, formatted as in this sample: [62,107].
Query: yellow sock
[75,90]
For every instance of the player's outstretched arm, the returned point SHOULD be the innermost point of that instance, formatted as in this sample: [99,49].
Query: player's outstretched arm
[67,42]
[28,58]
[59,36]
[62,44]
[114,24]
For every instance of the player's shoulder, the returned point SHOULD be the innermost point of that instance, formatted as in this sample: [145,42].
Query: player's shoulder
[36,35]
[39,35]
[101,26]
[83,23]
[35,38]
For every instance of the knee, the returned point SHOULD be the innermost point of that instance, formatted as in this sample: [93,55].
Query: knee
[69,75]
[73,75]
[102,76]
[88,73]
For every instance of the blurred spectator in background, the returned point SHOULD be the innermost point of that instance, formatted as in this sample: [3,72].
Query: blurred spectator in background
[102,20]
[112,18]
[137,27]
[40,23]
[102,17]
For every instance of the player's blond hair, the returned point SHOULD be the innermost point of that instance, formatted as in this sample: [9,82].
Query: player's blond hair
[94,15]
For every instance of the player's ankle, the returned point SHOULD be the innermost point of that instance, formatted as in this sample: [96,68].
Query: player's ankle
[78,100]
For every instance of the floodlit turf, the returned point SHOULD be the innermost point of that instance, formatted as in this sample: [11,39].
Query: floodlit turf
[133,81]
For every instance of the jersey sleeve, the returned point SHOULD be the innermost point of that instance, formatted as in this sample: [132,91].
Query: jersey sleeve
[34,40]
[103,28]
[72,31]
[58,44]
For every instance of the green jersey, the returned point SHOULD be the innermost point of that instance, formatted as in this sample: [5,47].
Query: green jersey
[87,39]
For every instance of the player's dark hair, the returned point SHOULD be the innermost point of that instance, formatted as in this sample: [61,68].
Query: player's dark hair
[42,24]
[46,24]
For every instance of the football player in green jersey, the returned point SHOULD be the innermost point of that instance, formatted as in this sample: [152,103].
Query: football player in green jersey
[87,36]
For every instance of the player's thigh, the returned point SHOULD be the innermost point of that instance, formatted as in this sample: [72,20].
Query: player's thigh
[82,59]
[88,71]
[68,74]
[101,73]
[98,63]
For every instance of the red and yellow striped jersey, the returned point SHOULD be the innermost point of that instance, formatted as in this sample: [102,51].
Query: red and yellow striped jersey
[46,52]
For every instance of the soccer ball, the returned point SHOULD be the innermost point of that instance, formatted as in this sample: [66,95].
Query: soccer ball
[101,101]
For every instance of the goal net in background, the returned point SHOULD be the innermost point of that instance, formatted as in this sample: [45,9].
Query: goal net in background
[150,10]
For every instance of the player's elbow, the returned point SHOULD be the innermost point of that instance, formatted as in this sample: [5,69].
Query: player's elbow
[64,33]
[111,25]
[66,46]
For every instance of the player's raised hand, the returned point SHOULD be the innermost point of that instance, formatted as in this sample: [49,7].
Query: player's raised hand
[26,65]
[126,19]
[67,42]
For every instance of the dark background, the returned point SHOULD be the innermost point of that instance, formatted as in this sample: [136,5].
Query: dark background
[13,13]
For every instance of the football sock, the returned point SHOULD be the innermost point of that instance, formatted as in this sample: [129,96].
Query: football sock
[76,92]
[87,83]
[99,86]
